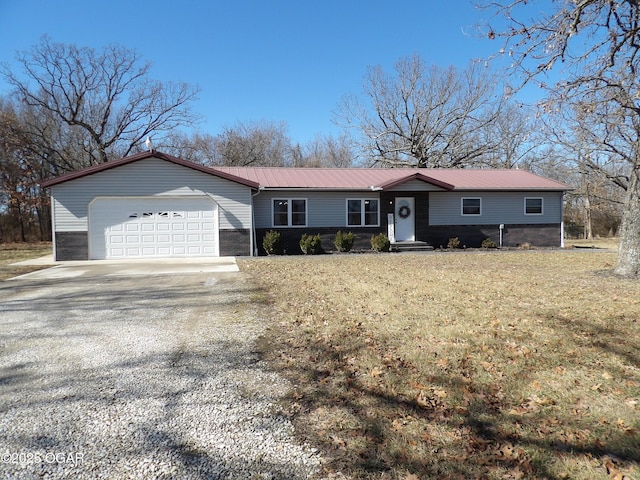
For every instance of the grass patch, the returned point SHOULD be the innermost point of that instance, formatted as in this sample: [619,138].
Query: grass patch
[17,252]
[483,365]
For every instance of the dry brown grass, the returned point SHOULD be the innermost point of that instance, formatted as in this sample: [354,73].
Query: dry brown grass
[610,243]
[16,252]
[460,365]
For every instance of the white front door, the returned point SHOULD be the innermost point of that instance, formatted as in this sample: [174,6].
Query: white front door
[405,219]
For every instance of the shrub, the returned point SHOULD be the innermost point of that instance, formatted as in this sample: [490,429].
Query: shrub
[525,246]
[454,242]
[344,241]
[488,243]
[310,244]
[380,243]
[271,242]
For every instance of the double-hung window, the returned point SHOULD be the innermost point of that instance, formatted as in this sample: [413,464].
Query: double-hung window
[533,206]
[363,212]
[471,206]
[289,212]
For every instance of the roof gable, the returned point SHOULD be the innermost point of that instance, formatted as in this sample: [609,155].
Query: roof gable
[142,156]
[417,176]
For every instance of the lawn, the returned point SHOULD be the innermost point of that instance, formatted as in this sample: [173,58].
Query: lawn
[17,252]
[492,365]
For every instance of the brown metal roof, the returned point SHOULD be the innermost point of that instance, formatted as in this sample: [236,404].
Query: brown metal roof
[141,156]
[383,179]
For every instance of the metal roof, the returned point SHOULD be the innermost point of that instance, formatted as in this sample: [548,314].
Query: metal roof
[382,179]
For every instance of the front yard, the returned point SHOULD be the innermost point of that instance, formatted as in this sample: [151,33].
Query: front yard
[466,365]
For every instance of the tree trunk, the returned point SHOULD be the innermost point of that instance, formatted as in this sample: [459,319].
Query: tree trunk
[588,222]
[628,262]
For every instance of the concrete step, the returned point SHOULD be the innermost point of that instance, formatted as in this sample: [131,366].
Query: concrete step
[410,246]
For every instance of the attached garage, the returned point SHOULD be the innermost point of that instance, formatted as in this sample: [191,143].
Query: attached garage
[150,205]
[147,227]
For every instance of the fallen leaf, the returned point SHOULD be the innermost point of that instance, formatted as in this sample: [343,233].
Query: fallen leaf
[440,393]
[422,400]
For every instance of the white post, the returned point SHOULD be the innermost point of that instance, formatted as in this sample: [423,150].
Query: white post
[391,232]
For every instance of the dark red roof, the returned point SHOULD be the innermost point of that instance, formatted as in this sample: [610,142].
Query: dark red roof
[386,178]
[142,156]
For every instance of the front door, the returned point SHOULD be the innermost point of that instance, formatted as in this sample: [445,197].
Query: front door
[405,219]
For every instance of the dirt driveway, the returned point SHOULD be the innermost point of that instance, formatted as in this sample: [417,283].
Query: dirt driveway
[144,376]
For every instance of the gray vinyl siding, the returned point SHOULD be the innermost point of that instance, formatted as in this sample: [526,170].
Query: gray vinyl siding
[497,208]
[324,209]
[149,177]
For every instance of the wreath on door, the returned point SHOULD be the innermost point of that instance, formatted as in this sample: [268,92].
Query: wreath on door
[404,211]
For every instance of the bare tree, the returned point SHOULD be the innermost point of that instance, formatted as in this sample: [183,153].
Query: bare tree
[263,143]
[515,137]
[85,107]
[595,43]
[328,151]
[423,117]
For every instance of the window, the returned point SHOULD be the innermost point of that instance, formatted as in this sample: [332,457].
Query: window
[363,212]
[471,206]
[533,206]
[289,212]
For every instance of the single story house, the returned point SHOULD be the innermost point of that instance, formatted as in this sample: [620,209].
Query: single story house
[155,205]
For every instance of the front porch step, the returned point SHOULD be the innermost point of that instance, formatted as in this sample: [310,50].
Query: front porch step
[410,246]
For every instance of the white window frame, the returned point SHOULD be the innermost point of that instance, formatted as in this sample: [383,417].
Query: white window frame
[362,201]
[541,205]
[470,214]
[289,201]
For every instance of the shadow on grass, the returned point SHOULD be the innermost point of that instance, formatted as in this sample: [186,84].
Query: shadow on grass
[371,428]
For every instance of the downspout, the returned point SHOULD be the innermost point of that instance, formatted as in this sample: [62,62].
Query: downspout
[53,230]
[253,239]
[562,220]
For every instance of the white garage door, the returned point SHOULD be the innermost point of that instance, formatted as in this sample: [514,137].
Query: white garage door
[148,227]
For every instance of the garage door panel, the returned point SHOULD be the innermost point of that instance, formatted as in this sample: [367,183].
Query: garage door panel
[153,227]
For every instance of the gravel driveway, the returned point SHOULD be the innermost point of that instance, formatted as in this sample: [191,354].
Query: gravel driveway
[140,377]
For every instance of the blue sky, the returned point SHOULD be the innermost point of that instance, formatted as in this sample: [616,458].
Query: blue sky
[279,60]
